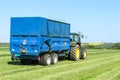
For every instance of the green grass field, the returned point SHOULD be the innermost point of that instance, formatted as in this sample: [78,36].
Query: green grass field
[101,64]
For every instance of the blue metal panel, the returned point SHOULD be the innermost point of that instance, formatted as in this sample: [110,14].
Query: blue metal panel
[65,44]
[14,43]
[28,26]
[43,46]
[59,44]
[51,28]
[58,29]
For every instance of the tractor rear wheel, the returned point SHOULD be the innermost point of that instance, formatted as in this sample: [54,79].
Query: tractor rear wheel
[75,53]
[54,58]
[46,59]
[83,53]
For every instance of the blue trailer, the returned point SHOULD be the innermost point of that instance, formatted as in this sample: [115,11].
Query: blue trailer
[43,40]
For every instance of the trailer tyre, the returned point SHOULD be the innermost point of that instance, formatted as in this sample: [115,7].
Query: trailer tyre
[46,59]
[75,53]
[83,53]
[54,58]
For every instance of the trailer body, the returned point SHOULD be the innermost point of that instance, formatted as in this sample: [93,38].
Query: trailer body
[31,37]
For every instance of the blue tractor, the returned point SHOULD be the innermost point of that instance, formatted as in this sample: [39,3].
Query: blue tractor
[37,39]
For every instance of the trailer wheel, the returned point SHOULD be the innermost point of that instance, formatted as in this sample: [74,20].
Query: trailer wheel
[46,59]
[83,53]
[54,58]
[75,53]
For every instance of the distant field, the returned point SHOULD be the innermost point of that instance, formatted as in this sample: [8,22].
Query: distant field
[101,64]
[4,45]
[101,45]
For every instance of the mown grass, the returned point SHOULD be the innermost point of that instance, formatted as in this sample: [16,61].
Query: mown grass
[101,64]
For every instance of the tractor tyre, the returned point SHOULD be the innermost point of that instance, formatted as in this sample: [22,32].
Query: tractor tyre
[54,58]
[46,59]
[75,53]
[83,53]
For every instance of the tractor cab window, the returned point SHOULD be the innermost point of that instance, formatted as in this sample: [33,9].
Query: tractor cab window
[74,38]
[71,38]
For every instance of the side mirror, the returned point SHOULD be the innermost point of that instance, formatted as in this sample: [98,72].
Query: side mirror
[82,36]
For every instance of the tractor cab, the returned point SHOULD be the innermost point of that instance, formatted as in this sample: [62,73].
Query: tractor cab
[75,39]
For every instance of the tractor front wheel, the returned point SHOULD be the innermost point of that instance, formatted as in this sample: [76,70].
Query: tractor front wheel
[83,53]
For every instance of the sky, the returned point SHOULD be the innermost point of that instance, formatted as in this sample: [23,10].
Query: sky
[98,20]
